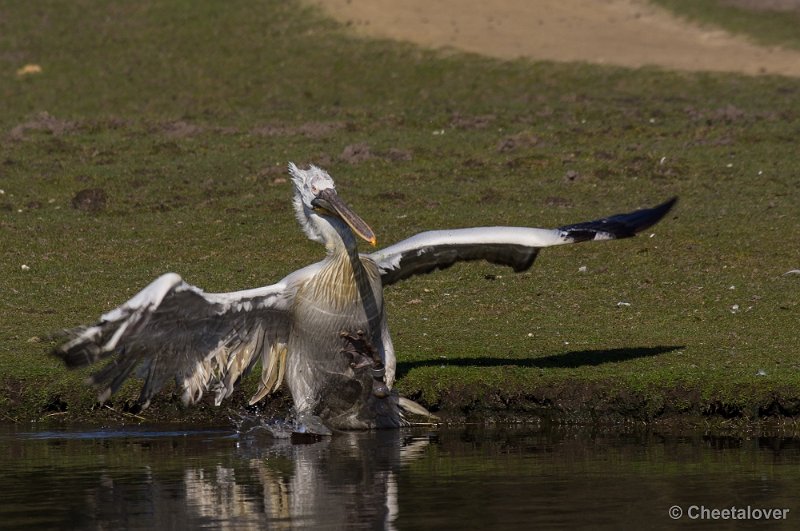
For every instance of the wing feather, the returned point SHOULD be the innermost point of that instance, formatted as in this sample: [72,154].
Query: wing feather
[173,330]
[516,247]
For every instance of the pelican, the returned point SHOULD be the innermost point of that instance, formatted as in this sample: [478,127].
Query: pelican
[320,331]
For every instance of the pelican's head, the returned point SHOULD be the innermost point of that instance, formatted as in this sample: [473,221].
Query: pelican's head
[319,209]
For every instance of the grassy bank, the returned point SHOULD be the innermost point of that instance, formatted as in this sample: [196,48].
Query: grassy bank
[760,21]
[179,117]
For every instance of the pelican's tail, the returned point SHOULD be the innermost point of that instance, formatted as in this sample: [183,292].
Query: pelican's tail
[410,409]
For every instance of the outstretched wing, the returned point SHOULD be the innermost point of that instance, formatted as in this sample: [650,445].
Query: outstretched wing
[512,246]
[204,341]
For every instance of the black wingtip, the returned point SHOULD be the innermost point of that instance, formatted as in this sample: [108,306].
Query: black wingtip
[619,225]
[648,217]
[667,205]
[74,355]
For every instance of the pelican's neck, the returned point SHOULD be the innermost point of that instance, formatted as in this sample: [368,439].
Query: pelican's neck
[339,239]
[343,280]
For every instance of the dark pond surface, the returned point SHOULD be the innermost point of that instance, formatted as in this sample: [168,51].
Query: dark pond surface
[453,478]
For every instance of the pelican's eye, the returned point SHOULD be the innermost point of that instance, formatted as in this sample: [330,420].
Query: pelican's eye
[314,190]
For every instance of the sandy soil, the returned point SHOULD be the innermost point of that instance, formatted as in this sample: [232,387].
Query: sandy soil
[629,33]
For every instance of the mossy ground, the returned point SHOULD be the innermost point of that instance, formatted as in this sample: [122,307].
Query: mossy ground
[185,114]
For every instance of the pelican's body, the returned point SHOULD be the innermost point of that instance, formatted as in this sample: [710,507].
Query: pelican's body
[321,330]
[345,295]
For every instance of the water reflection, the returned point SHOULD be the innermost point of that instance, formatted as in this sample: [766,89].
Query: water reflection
[466,477]
[189,479]
[340,482]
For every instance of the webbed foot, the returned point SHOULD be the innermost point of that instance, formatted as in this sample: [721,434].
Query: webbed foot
[360,349]
[363,354]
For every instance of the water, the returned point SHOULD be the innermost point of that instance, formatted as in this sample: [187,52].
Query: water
[454,478]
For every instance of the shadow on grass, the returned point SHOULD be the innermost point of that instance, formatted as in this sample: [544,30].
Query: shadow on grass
[568,360]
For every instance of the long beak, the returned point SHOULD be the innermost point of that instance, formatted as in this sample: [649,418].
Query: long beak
[329,201]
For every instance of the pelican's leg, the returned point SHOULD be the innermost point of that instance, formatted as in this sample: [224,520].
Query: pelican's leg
[362,353]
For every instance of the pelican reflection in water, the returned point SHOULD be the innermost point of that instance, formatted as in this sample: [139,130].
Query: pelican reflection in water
[321,330]
[335,483]
[252,480]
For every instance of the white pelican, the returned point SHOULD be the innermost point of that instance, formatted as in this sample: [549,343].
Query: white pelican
[321,330]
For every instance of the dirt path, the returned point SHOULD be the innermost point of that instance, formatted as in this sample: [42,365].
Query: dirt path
[629,33]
